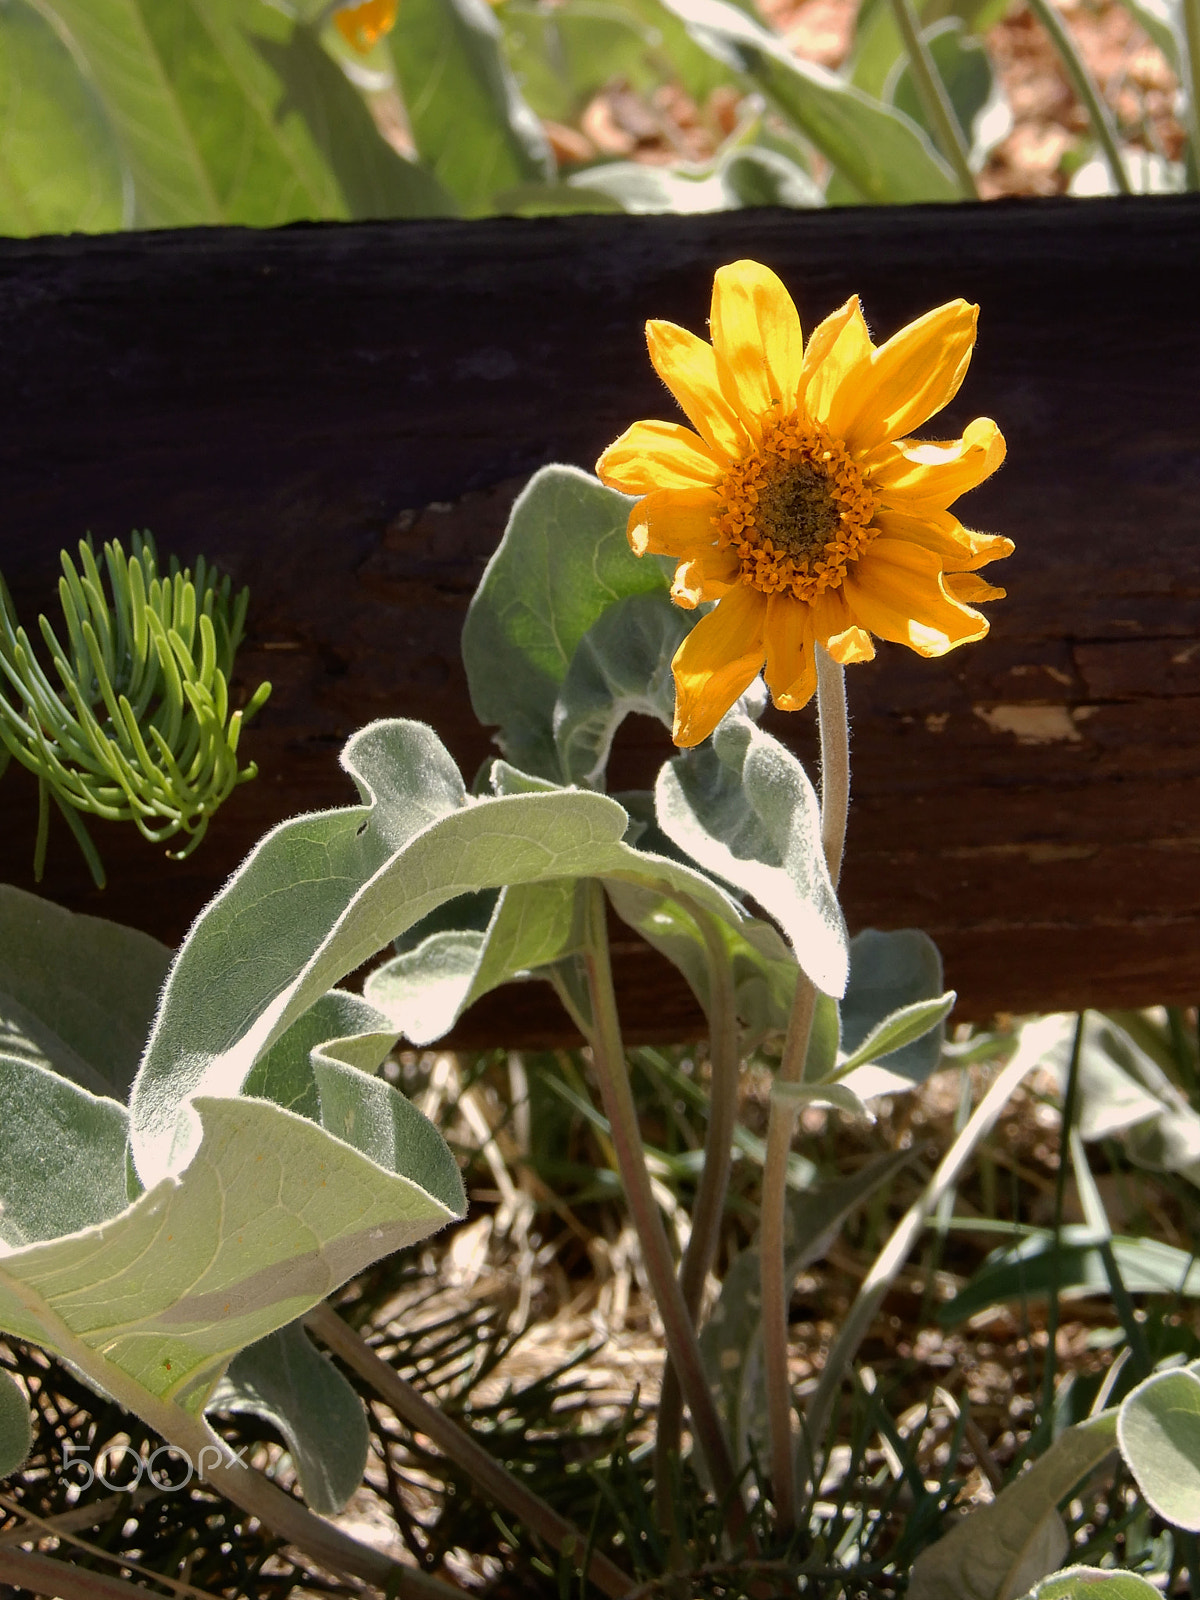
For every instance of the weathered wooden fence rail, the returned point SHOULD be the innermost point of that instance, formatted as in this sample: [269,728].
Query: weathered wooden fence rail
[340,416]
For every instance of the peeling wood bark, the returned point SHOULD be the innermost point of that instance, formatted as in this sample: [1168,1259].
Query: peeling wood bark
[341,415]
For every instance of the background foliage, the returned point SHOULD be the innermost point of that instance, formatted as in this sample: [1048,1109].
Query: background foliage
[168,113]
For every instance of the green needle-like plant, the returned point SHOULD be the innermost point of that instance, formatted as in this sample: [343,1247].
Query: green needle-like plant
[139,727]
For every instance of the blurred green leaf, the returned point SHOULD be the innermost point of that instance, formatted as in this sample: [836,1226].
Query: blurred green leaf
[1029,1270]
[645,190]
[976,94]
[228,111]
[469,121]
[60,164]
[1158,1428]
[564,54]
[564,199]
[1163,21]
[887,158]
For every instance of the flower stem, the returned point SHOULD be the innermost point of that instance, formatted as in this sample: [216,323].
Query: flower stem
[781,1124]
[934,99]
[894,1254]
[608,1054]
[709,1208]
[1085,87]
[455,1442]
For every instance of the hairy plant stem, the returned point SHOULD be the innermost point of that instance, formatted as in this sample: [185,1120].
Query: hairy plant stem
[894,1254]
[460,1447]
[934,99]
[781,1124]
[608,1055]
[709,1209]
[1084,85]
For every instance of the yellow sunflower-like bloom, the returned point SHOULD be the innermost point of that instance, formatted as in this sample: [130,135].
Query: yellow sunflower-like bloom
[362,26]
[799,503]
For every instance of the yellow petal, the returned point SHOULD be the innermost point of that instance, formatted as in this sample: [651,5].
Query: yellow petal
[896,590]
[834,626]
[717,662]
[673,522]
[961,549]
[658,455]
[833,365]
[756,334]
[791,666]
[969,587]
[706,576]
[689,368]
[911,377]
[917,477]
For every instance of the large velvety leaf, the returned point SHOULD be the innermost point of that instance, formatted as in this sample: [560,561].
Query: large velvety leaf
[16,1429]
[886,157]
[563,561]
[1001,1550]
[469,122]
[339,1027]
[77,994]
[282,1379]
[62,1155]
[60,165]
[890,973]
[426,990]
[764,969]
[271,1215]
[742,806]
[1123,1092]
[621,666]
[1094,1583]
[320,895]
[227,111]
[1158,1429]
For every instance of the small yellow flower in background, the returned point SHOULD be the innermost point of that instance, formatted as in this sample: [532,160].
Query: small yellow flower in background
[363,26]
[800,504]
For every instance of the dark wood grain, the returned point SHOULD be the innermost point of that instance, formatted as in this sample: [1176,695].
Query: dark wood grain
[340,416]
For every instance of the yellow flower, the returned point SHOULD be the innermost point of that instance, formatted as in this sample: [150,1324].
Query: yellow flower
[800,504]
[362,26]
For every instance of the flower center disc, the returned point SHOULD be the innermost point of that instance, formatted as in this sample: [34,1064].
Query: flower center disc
[796,510]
